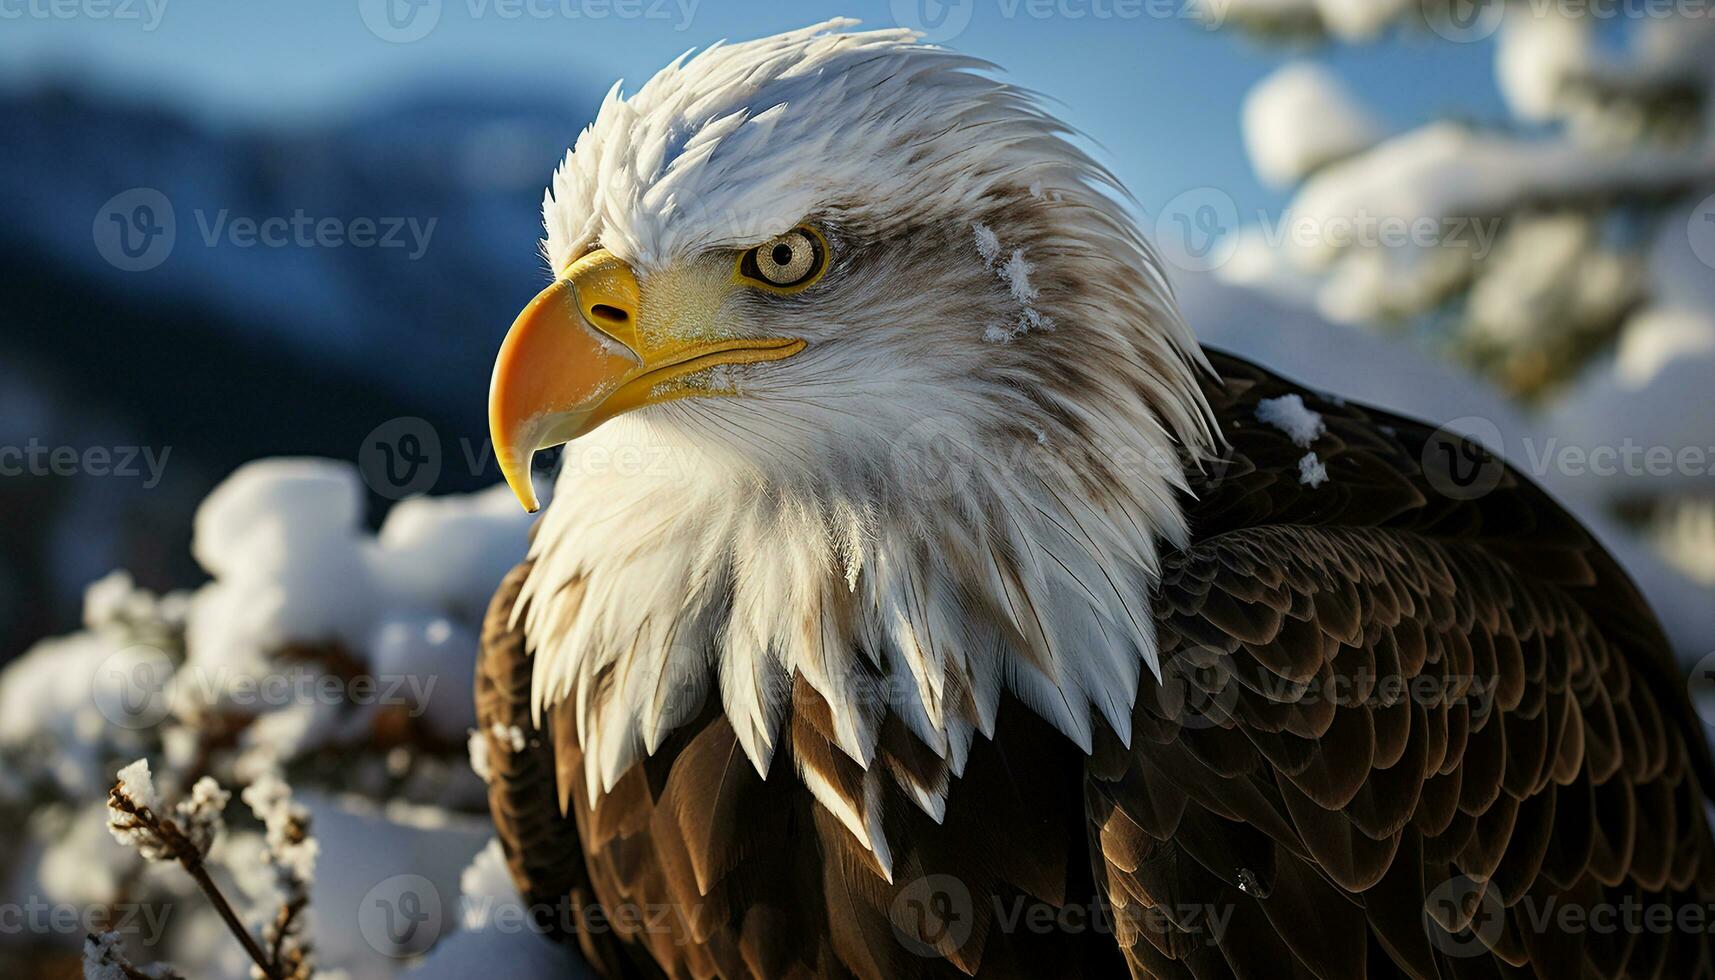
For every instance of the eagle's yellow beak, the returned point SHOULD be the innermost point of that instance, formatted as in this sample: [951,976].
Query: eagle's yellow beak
[580,354]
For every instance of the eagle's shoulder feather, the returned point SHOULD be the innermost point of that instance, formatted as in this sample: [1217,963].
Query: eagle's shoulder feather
[1396,731]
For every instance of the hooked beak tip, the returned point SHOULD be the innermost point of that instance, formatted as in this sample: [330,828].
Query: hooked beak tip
[515,459]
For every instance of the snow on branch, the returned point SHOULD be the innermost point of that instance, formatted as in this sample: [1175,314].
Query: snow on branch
[1447,170]
[1524,237]
[138,818]
[321,654]
[104,959]
[1302,118]
[291,856]
[1349,20]
[1514,232]
[1550,66]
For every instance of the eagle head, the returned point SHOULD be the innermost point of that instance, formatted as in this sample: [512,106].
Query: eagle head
[849,341]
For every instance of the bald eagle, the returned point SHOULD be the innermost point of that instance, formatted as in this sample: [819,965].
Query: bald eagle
[918,599]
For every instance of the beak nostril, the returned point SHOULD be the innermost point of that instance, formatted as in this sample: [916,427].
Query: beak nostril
[608,314]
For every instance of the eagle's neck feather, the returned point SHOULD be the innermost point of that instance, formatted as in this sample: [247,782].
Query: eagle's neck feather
[670,569]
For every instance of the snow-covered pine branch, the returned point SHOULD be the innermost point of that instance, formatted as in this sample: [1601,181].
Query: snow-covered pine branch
[1523,248]
[1566,253]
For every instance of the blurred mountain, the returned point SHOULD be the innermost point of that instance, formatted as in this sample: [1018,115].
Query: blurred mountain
[452,185]
[297,289]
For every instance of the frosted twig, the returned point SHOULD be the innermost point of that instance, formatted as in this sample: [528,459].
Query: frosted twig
[104,959]
[292,856]
[133,820]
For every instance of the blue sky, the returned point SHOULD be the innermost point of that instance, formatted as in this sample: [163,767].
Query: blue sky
[1159,93]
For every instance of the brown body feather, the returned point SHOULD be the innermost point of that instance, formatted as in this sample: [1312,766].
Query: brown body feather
[1397,735]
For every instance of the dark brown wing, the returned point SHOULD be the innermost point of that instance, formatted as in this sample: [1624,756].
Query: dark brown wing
[1398,733]
[542,848]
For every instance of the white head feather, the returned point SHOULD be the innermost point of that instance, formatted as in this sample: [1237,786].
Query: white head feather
[991,311]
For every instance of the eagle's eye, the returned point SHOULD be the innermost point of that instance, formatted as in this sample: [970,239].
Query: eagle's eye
[786,264]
